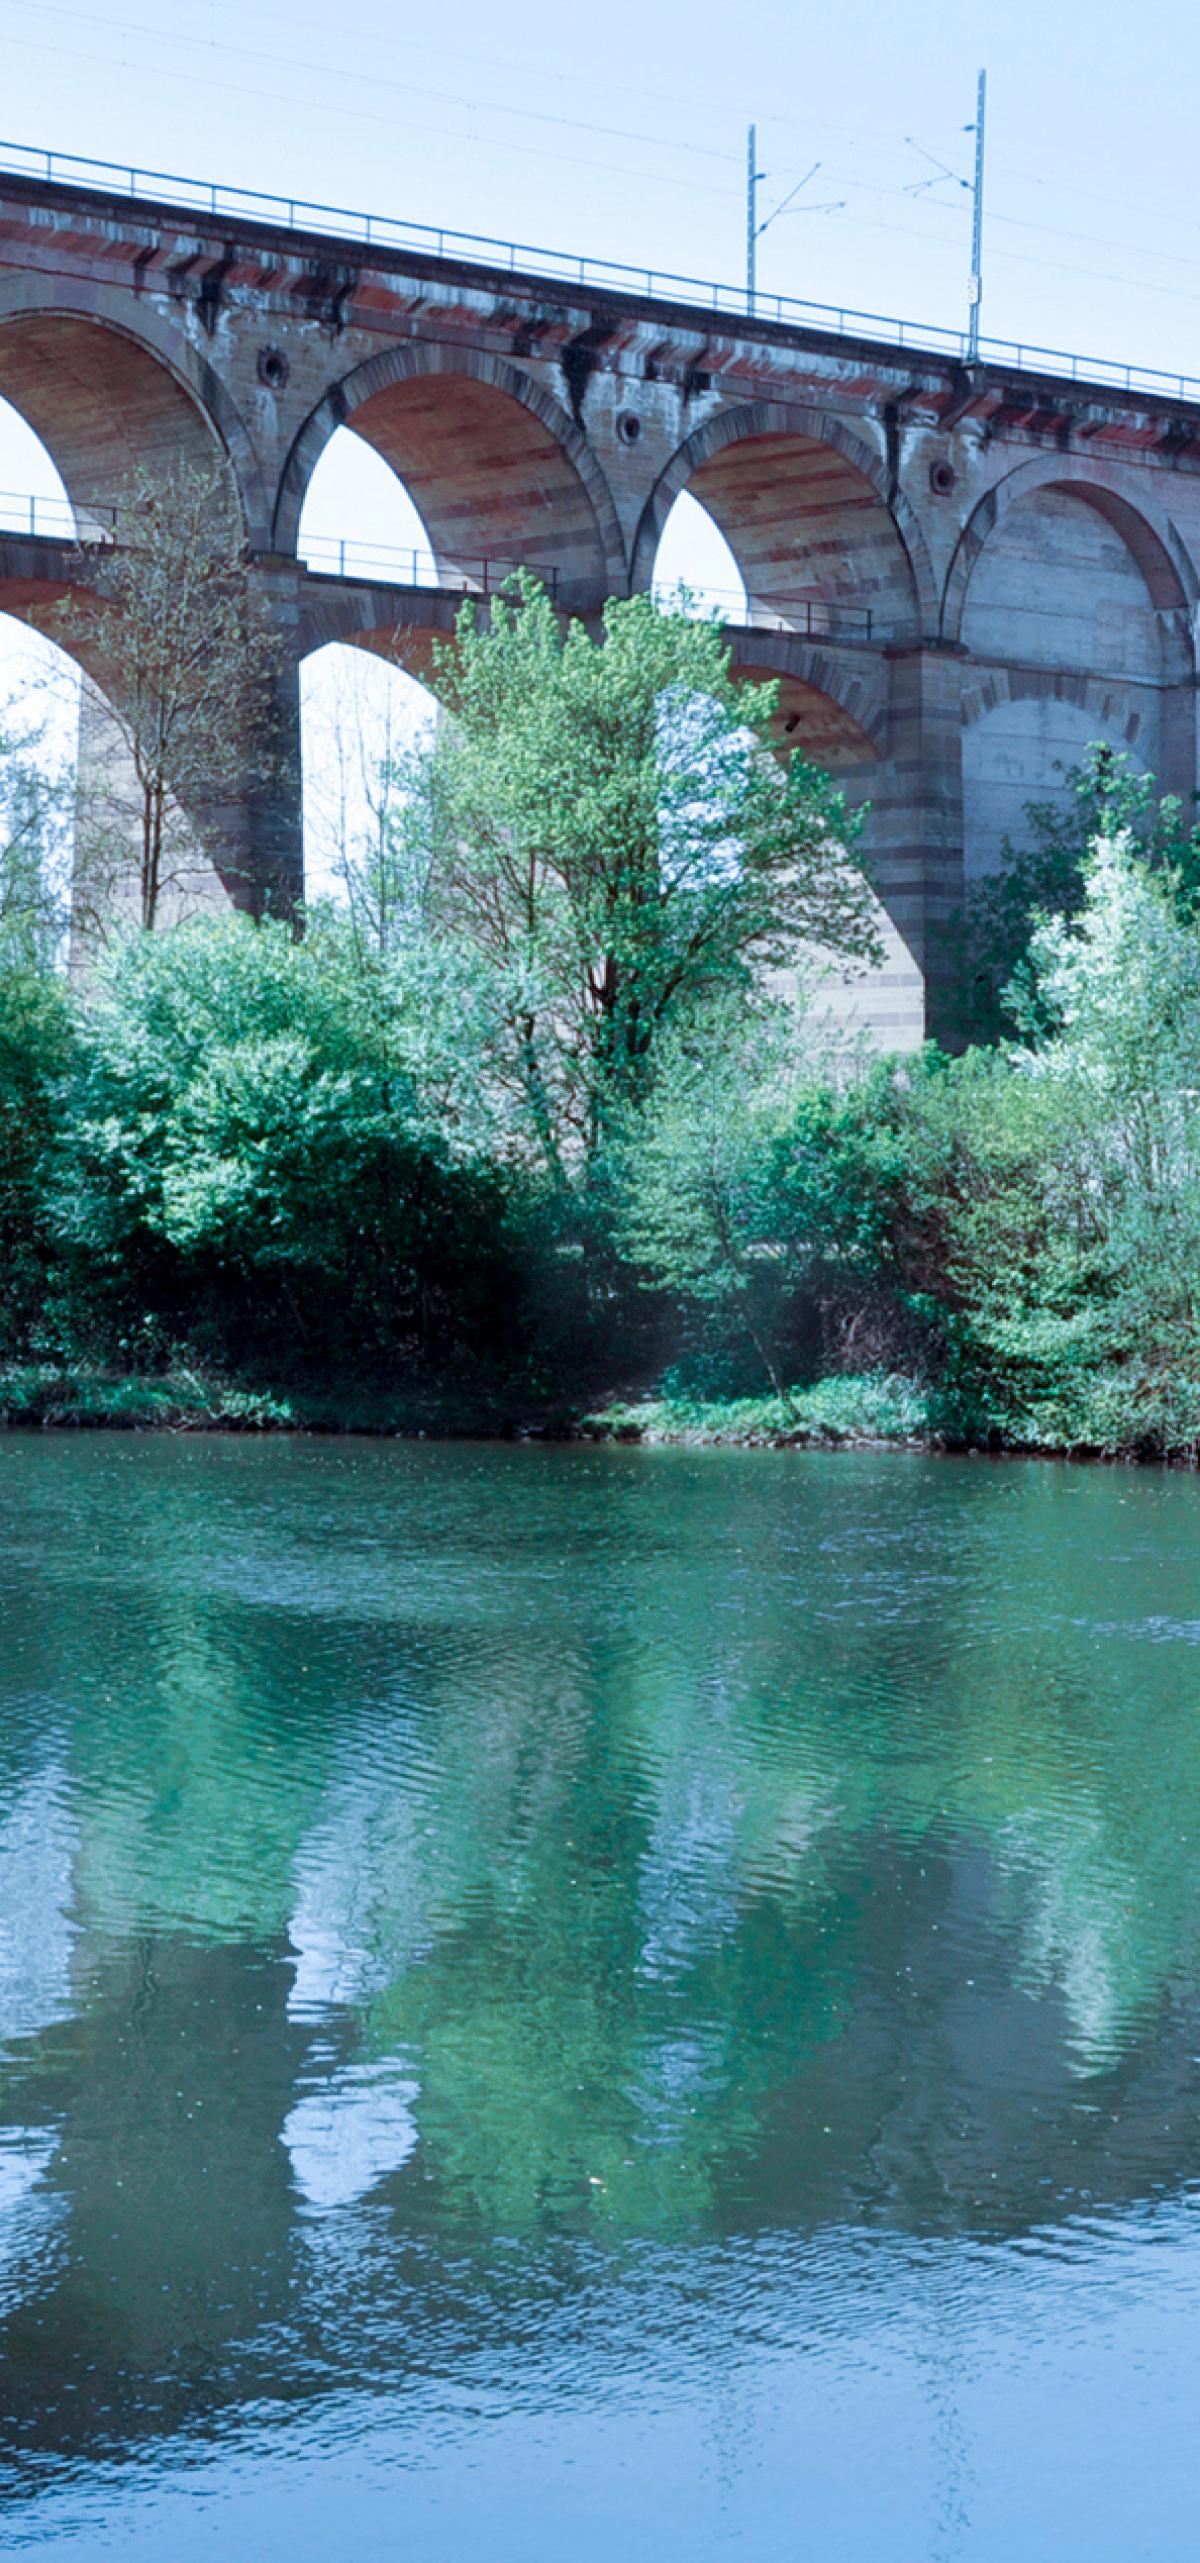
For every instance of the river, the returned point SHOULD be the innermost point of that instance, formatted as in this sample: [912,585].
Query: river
[561,2004]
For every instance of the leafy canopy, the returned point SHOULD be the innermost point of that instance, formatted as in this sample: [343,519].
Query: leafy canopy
[602,824]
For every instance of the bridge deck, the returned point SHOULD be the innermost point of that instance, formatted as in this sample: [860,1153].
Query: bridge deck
[387,238]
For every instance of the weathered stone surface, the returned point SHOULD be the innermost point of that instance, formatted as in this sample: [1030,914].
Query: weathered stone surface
[959,575]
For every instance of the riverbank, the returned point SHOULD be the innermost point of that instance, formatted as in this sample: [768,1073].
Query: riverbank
[44,1397]
[867,1411]
[870,1410]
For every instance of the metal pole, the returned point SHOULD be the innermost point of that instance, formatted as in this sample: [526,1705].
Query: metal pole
[977,225]
[751,213]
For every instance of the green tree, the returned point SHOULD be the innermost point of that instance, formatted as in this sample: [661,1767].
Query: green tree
[754,1193]
[35,1041]
[34,831]
[1046,876]
[1051,1211]
[601,827]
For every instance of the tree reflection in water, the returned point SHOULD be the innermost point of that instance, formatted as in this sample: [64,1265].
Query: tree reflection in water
[478,1915]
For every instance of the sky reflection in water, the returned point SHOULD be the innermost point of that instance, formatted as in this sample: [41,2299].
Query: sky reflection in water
[589,2002]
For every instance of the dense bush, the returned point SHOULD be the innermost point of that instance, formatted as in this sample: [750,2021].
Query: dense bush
[35,1047]
[1052,1211]
[242,1148]
[987,959]
[530,1111]
[1018,1227]
[239,1160]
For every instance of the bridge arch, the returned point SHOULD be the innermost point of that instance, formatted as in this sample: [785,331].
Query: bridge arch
[1071,595]
[395,623]
[832,708]
[805,506]
[1151,540]
[1110,708]
[102,395]
[32,584]
[495,466]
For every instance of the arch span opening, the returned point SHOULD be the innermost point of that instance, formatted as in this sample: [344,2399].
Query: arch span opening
[39,731]
[1056,584]
[361,714]
[101,405]
[815,546]
[34,501]
[499,478]
[1021,745]
[359,521]
[694,566]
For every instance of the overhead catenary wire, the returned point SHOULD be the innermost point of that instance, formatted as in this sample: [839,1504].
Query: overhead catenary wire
[843,214]
[498,108]
[374,80]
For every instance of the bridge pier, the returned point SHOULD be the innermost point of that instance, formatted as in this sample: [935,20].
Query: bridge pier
[915,830]
[274,813]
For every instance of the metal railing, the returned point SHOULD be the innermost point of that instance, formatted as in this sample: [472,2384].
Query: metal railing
[809,617]
[656,284]
[55,520]
[328,556]
[27,512]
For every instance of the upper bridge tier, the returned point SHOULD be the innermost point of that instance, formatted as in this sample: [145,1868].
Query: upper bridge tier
[1011,543]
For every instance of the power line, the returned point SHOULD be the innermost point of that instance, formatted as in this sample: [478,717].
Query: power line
[607,168]
[539,71]
[525,71]
[1019,258]
[499,108]
[364,115]
[374,80]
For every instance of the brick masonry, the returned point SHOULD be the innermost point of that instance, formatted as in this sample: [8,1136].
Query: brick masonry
[958,575]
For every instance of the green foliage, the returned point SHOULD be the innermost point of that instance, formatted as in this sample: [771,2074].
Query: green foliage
[1046,876]
[601,832]
[52,1394]
[35,1040]
[1052,1195]
[874,1407]
[751,1192]
[536,1111]
[179,700]
[1022,1222]
[33,816]
[244,1152]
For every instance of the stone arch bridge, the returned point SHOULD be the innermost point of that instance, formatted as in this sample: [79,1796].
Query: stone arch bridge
[960,573]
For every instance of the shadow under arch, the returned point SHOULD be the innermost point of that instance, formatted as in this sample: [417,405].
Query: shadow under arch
[401,625]
[1071,595]
[833,707]
[834,711]
[104,399]
[1152,541]
[496,468]
[805,507]
[1109,705]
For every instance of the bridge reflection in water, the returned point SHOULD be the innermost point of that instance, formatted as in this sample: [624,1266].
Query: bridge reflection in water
[504,1950]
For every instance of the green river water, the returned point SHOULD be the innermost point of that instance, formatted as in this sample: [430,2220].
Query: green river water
[597,2006]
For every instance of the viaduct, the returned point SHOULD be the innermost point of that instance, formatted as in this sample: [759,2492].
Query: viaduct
[960,572]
